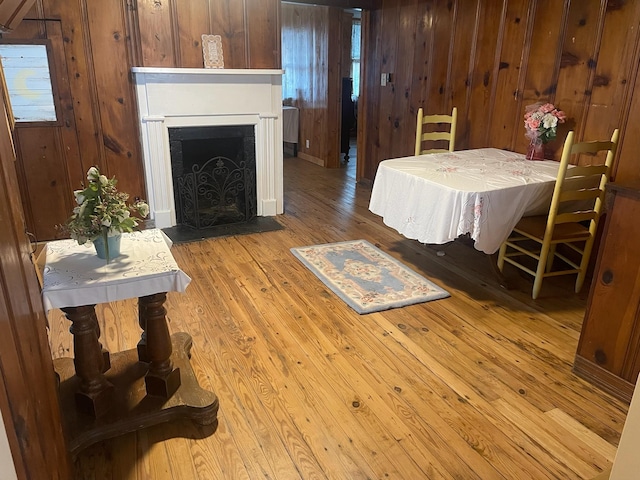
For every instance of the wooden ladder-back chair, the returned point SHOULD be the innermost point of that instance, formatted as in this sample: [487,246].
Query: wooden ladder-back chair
[576,205]
[441,122]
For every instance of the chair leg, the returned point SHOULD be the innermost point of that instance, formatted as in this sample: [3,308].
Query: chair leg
[550,258]
[584,263]
[537,285]
[501,254]
[540,271]
[581,274]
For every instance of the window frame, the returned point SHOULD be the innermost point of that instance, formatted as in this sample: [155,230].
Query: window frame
[52,76]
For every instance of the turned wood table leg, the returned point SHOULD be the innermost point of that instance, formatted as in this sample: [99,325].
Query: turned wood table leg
[162,379]
[105,353]
[143,356]
[94,395]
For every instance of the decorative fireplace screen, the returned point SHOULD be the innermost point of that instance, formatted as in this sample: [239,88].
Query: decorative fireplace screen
[214,175]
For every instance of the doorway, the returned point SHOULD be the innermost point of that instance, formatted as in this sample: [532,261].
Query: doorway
[319,80]
[351,93]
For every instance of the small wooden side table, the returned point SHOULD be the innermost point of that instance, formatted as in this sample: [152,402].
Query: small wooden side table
[103,394]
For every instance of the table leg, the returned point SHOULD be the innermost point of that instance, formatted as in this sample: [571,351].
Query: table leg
[162,379]
[143,356]
[94,396]
[105,353]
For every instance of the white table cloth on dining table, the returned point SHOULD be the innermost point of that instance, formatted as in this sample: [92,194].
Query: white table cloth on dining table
[484,192]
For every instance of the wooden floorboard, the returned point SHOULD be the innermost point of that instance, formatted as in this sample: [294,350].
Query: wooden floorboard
[475,386]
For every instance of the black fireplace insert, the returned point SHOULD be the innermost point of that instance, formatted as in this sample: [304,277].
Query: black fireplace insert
[214,175]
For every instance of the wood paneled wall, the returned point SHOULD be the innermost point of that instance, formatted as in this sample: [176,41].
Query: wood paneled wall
[170,30]
[28,389]
[99,44]
[312,39]
[491,59]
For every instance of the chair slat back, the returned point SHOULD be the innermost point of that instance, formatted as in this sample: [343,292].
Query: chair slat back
[578,194]
[434,136]
[575,217]
[437,118]
[446,131]
[591,147]
[582,194]
[586,171]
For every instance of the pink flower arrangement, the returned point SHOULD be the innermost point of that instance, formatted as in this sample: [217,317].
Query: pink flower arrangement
[541,121]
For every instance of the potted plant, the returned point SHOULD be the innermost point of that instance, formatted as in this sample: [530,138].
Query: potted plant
[102,214]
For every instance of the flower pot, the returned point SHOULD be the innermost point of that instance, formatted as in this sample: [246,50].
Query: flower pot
[535,150]
[110,250]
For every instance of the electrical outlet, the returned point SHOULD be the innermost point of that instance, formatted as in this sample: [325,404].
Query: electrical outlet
[307,143]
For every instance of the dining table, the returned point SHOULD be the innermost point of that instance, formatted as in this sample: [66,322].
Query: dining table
[483,193]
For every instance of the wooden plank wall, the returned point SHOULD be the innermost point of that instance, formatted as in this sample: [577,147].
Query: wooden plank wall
[170,32]
[28,390]
[492,59]
[312,58]
[102,41]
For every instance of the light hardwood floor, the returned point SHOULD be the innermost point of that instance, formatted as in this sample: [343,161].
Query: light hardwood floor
[476,386]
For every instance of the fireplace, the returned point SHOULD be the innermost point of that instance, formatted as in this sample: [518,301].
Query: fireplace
[214,175]
[175,99]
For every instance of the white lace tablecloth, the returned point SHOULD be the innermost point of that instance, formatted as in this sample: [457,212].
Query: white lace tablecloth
[438,197]
[74,275]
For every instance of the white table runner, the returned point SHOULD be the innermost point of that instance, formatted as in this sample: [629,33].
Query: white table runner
[74,275]
[484,192]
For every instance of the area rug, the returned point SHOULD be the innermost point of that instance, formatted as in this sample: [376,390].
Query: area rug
[366,278]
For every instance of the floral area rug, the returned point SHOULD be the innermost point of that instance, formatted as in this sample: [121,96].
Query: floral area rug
[365,277]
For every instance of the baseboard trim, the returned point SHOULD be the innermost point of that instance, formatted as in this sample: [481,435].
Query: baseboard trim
[311,158]
[603,379]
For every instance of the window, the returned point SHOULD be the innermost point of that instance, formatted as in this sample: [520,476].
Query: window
[26,71]
[355,58]
[297,61]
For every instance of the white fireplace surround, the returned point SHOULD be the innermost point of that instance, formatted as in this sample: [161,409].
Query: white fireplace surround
[194,97]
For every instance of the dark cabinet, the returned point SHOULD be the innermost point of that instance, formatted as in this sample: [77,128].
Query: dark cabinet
[348,116]
[609,345]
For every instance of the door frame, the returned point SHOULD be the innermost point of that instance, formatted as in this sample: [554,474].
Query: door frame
[28,388]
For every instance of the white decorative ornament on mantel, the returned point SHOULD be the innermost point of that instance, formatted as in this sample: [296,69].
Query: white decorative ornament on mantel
[212,51]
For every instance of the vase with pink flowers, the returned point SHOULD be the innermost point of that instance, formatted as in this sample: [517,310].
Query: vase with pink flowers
[541,123]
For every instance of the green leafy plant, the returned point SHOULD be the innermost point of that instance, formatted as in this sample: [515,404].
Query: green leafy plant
[102,210]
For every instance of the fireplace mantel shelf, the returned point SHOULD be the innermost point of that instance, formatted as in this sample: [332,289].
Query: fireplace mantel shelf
[207,71]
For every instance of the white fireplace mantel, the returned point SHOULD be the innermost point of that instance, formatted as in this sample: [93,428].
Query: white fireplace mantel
[194,97]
